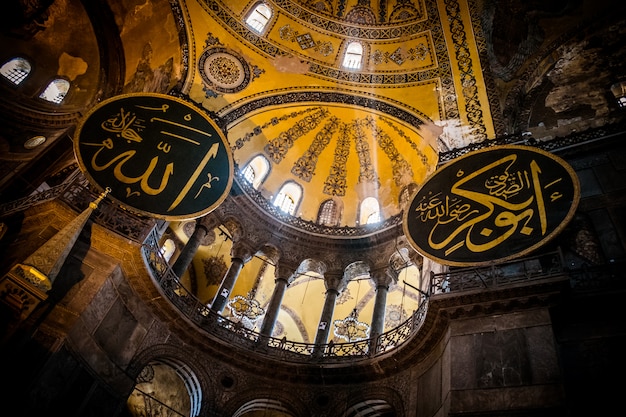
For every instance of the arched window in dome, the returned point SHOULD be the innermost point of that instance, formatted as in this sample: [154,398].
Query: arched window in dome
[369,211]
[256,170]
[289,197]
[15,70]
[353,56]
[168,249]
[328,213]
[56,91]
[259,17]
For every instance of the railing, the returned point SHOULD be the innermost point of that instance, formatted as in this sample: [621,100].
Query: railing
[78,195]
[238,335]
[34,199]
[598,277]
[504,274]
[544,268]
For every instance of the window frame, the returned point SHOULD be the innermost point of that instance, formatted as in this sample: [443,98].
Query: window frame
[252,15]
[49,84]
[9,77]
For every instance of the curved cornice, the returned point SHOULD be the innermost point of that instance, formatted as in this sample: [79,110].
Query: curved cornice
[239,110]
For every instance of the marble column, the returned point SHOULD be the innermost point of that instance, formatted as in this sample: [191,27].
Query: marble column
[284,277]
[334,286]
[382,282]
[240,254]
[203,226]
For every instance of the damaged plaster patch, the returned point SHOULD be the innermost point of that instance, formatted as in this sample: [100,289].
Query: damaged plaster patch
[71,67]
[431,132]
[455,135]
[578,77]
[290,64]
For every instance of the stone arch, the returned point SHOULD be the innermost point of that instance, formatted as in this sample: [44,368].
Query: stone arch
[194,377]
[254,399]
[375,402]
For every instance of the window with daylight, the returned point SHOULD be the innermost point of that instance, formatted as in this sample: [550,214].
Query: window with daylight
[15,70]
[56,91]
[289,197]
[353,56]
[259,17]
[370,211]
[328,214]
[256,171]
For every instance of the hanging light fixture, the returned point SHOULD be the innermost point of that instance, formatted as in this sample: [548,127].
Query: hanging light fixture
[351,329]
[246,309]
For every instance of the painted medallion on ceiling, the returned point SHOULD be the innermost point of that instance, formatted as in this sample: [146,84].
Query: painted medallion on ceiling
[224,71]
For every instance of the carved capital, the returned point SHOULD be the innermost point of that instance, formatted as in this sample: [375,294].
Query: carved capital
[384,278]
[285,272]
[209,222]
[241,251]
[335,282]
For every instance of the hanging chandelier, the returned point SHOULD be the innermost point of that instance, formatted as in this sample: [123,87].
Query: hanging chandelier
[351,329]
[246,309]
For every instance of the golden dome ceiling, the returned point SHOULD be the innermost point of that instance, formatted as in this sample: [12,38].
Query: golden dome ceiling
[340,133]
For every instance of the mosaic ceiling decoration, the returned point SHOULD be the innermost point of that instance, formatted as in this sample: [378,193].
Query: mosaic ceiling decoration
[338,132]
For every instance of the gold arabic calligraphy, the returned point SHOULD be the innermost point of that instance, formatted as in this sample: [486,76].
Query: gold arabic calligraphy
[465,210]
[128,126]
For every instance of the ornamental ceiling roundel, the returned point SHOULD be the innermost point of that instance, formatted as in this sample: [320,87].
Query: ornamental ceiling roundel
[223,70]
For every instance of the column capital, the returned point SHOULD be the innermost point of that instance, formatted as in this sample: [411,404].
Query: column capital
[241,251]
[209,222]
[335,282]
[284,272]
[384,278]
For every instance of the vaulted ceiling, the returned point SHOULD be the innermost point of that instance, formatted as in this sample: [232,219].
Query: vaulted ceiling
[342,133]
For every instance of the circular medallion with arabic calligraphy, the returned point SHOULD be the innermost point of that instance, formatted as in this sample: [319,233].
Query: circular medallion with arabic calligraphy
[492,205]
[161,155]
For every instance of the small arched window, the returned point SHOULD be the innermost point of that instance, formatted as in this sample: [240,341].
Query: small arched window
[256,171]
[56,91]
[369,211]
[353,56]
[288,197]
[168,249]
[259,17]
[328,213]
[15,70]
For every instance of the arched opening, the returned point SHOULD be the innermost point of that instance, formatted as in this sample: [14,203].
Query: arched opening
[371,408]
[256,171]
[288,197]
[369,211]
[165,387]
[353,56]
[16,70]
[56,91]
[259,17]
[167,249]
[328,213]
